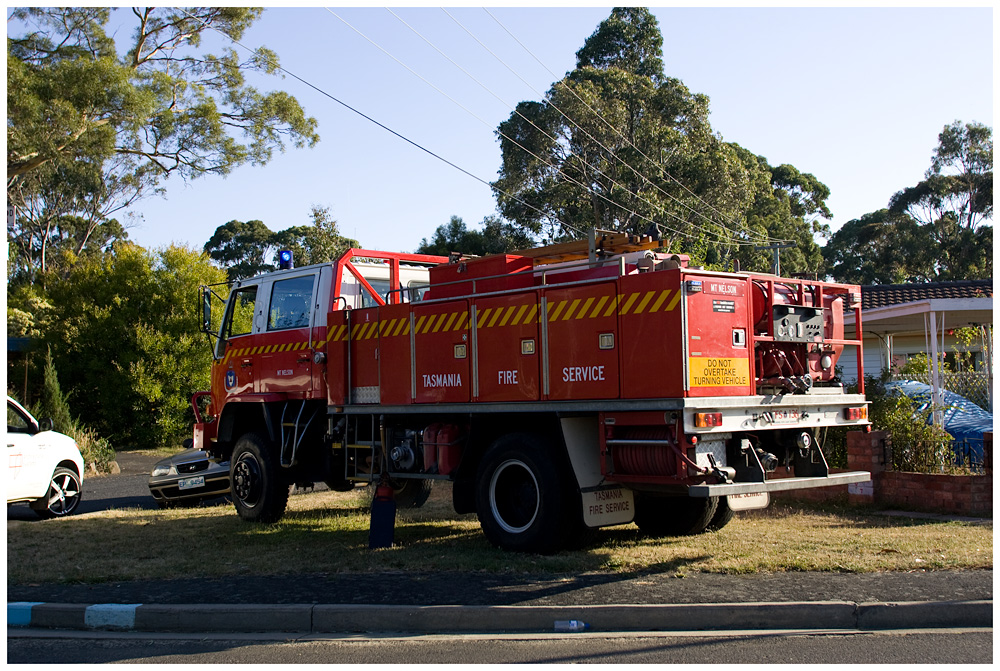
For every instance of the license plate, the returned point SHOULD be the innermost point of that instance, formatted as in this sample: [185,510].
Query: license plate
[191,483]
[608,506]
[749,501]
[784,416]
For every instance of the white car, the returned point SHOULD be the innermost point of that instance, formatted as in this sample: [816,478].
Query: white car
[44,468]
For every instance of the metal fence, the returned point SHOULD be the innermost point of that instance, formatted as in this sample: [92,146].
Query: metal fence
[972,385]
[952,456]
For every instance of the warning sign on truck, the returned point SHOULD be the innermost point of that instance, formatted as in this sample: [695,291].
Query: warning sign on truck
[718,372]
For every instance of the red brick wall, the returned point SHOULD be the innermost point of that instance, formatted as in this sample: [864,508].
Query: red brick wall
[955,494]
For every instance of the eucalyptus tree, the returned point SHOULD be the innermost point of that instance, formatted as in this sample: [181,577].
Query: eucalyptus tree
[934,230]
[96,121]
[618,145]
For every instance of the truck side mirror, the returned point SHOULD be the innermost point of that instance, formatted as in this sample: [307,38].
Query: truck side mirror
[206,309]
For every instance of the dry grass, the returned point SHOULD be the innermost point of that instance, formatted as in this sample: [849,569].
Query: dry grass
[326,531]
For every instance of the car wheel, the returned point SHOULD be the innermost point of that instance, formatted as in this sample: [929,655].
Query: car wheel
[674,515]
[260,492]
[63,496]
[521,500]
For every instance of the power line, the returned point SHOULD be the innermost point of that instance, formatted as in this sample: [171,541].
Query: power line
[612,127]
[610,152]
[507,137]
[614,182]
[374,121]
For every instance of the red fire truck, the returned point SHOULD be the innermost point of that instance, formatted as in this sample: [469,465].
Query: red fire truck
[557,389]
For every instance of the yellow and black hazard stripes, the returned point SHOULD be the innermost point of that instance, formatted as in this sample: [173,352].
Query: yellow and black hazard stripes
[507,315]
[638,302]
[591,307]
[266,349]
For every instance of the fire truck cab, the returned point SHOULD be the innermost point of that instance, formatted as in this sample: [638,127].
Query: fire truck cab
[556,389]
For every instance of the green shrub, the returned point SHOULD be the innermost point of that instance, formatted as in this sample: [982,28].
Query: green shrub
[97,452]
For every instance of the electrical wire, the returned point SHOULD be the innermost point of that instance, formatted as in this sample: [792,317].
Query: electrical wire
[381,125]
[612,127]
[614,183]
[508,138]
[609,151]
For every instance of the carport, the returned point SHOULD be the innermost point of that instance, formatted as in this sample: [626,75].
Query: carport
[932,317]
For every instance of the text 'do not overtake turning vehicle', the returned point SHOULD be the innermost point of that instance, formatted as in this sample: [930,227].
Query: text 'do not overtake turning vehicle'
[558,389]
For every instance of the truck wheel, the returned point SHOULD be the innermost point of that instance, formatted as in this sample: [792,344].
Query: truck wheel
[674,515]
[723,515]
[410,493]
[260,493]
[343,485]
[521,500]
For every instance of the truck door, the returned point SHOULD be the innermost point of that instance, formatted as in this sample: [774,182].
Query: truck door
[285,353]
[233,371]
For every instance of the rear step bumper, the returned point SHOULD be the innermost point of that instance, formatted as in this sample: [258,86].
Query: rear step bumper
[779,485]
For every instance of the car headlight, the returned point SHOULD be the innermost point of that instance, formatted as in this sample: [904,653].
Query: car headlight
[160,470]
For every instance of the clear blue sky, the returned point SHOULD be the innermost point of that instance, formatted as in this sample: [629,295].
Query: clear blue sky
[855,96]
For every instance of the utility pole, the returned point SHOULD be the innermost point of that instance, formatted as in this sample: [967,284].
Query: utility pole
[775,248]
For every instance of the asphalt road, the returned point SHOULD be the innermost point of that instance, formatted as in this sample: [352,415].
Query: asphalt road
[926,647]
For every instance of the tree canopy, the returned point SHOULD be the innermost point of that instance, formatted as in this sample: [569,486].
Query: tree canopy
[495,237]
[934,230]
[124,335]
[618,145]
[249,248]
[95,121]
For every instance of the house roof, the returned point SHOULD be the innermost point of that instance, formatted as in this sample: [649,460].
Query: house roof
[914,308]
[881,295]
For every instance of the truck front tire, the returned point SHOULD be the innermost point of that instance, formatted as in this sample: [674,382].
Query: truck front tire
[260,492]
[521,500]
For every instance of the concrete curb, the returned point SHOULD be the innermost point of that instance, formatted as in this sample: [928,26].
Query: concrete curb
[319,618]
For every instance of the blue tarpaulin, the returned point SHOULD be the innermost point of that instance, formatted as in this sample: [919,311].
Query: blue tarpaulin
[963,420]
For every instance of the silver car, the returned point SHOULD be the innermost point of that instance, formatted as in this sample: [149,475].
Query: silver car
[188,478]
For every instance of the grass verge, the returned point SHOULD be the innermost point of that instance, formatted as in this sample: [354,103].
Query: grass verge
[327,531]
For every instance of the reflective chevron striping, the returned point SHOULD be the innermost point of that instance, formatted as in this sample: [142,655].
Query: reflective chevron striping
[592,307]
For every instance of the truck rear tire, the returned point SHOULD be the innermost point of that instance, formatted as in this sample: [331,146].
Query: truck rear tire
[521,499]
[659,516]
[260,492]
[723,515]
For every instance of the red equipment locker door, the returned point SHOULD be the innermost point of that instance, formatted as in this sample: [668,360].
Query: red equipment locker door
[394,354]
[364,386]
[507,348]
[336,356]
[442,353]
[582,341]
[651,335]
[718,336]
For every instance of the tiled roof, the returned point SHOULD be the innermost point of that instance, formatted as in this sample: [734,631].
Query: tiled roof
[880,295]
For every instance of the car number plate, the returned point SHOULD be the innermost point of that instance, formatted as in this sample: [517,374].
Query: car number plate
[784,416]
[191,483]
